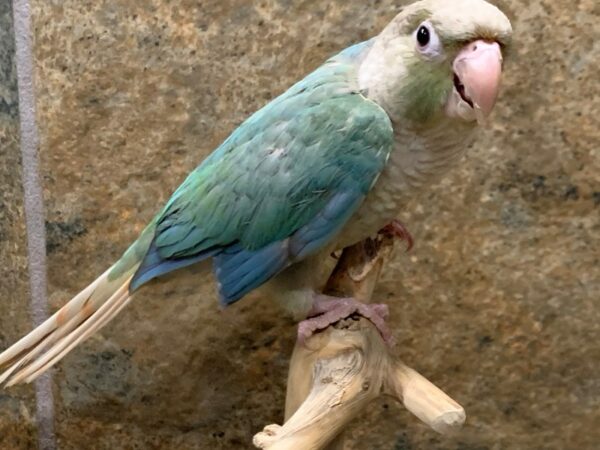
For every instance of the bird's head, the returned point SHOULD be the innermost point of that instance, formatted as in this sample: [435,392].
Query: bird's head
[439,58]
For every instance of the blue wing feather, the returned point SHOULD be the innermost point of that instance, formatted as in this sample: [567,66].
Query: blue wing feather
[327,223]
[280,187]
[240,270]
[154,265]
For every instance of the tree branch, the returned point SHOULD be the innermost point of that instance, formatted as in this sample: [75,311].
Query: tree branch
[337,372]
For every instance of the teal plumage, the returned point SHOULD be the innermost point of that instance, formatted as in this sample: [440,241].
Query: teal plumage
[317,147]
[327,163]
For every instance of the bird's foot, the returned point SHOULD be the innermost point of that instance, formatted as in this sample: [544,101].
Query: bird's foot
[328,310]
[397,229]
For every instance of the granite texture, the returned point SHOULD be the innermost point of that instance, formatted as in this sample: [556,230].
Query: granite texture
[497,303]
[17,406]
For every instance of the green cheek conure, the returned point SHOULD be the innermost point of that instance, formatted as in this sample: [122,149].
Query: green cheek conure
[324,165]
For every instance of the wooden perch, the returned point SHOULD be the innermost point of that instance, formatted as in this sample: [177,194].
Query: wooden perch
[337,372]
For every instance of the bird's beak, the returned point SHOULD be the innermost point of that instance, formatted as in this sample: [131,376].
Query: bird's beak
[477,74]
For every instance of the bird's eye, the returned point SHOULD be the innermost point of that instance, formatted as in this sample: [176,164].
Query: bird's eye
[423,36]
[428,42]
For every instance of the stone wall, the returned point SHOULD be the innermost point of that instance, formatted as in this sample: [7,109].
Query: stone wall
[497,302]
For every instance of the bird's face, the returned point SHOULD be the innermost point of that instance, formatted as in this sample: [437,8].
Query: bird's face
[449,59]
[464,78]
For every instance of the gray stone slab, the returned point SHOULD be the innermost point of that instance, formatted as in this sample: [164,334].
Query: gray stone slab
[17,405]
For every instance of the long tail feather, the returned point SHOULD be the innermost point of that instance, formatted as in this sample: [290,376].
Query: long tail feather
[85,314]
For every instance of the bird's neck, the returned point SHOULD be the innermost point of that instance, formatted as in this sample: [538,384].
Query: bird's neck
[424,148]
[379,79]
[423,154]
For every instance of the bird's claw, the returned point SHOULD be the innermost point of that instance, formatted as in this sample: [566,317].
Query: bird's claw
[397,229]
[328,310]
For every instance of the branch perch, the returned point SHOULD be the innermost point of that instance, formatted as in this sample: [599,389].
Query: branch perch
[338,371]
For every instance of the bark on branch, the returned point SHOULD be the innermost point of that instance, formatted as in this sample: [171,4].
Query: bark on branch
[337,372]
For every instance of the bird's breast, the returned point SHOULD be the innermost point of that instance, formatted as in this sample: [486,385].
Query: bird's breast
[416,161]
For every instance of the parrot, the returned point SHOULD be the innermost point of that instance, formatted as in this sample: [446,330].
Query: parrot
[324,165]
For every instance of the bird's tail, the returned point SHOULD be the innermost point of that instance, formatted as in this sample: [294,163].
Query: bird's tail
[85,314]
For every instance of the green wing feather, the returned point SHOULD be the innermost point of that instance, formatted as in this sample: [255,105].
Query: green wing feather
[277,171]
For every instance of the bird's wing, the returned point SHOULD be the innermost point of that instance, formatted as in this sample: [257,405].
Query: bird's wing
[279,188]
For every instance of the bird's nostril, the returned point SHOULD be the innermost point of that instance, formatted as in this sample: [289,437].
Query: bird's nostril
[475,47]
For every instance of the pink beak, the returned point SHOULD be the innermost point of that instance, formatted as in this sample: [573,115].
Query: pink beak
[479,69]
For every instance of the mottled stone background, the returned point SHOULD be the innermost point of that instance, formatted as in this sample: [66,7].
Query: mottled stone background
[497,303]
